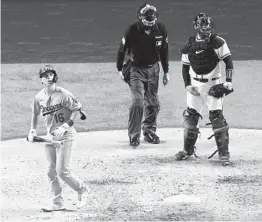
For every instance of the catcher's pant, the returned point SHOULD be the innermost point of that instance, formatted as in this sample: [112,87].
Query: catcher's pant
[198,102]
[144,92]
[58,160]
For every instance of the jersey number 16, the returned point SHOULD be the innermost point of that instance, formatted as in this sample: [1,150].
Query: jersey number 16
[59,117]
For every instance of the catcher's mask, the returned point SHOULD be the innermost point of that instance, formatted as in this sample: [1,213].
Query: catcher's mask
[48,68]
[148,15]
[203,25]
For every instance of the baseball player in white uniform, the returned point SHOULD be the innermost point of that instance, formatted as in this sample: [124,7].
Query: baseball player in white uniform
[201,69]
[59,109]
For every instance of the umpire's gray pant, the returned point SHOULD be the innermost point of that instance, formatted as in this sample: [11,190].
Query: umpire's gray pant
[144,91]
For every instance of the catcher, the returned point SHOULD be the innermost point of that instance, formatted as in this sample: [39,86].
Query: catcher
[201,70]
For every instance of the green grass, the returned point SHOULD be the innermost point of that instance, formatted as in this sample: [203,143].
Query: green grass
[106,98]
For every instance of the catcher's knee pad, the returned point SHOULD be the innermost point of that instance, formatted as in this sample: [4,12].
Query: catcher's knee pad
[191,118]
[218,121]
[220,128]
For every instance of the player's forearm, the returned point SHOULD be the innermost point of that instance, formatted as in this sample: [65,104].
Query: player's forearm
[229,68]
[120,60]
[123,48]
[186,76]
[34,121]
[73,116]
[164,58]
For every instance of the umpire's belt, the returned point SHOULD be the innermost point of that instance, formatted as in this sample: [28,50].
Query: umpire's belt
[144,65]
[205,80]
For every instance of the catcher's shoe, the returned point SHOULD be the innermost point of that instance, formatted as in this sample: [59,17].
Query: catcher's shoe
[82,195]
[134,141]
[54,207]
[183,155]
[151,138]
[225,159]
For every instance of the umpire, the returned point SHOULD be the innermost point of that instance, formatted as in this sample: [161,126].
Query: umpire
[146,42]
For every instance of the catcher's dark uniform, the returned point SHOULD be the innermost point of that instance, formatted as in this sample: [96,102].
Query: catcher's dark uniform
[146,50]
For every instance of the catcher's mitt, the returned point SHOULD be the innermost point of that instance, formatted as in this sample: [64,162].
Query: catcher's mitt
[219,91]
[126,70]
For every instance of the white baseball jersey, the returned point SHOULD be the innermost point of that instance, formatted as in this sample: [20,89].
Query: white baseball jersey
[221,52]
[56,109]
[198,102]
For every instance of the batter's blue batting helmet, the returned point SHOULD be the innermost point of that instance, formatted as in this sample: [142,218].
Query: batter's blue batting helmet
[48,68]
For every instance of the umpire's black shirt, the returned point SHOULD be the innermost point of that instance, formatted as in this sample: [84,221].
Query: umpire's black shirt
[147,49]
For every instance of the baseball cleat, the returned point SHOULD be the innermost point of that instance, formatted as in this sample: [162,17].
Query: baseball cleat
[134,141]
[181,155]
[151,138]
[54,207]
[83,194]
[226,163]
[225,159]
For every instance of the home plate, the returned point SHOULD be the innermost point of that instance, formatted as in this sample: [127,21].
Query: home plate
[182,198]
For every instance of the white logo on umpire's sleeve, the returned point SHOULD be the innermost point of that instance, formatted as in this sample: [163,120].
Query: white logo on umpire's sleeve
[158,43]
[123,41]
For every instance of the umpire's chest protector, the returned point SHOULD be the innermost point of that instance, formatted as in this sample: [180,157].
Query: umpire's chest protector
[202,56]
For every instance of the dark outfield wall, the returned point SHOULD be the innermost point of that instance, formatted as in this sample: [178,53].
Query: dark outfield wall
[89,31]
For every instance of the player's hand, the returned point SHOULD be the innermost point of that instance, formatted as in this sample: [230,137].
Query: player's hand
[121,75]
[228,85]
[31,135]
[82,114]
[193,90]
[166,78]
[59,132]
[48,136]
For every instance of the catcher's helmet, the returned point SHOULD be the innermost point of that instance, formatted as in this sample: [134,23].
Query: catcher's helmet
[48,68]
[148,15]
[203,25]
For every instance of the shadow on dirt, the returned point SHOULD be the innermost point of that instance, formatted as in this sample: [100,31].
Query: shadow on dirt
[200,160]
[240,179]
[189,215]
[109,182]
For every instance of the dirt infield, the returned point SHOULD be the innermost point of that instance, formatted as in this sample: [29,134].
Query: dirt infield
[141,184]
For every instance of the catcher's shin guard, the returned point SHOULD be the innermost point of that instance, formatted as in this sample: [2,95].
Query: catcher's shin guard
[191,118]
[220,128]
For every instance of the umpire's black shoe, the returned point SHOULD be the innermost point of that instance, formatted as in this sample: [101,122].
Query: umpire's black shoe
[151,138]
[134,141]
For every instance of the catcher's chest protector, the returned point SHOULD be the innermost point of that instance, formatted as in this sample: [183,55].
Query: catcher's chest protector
[202,56]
